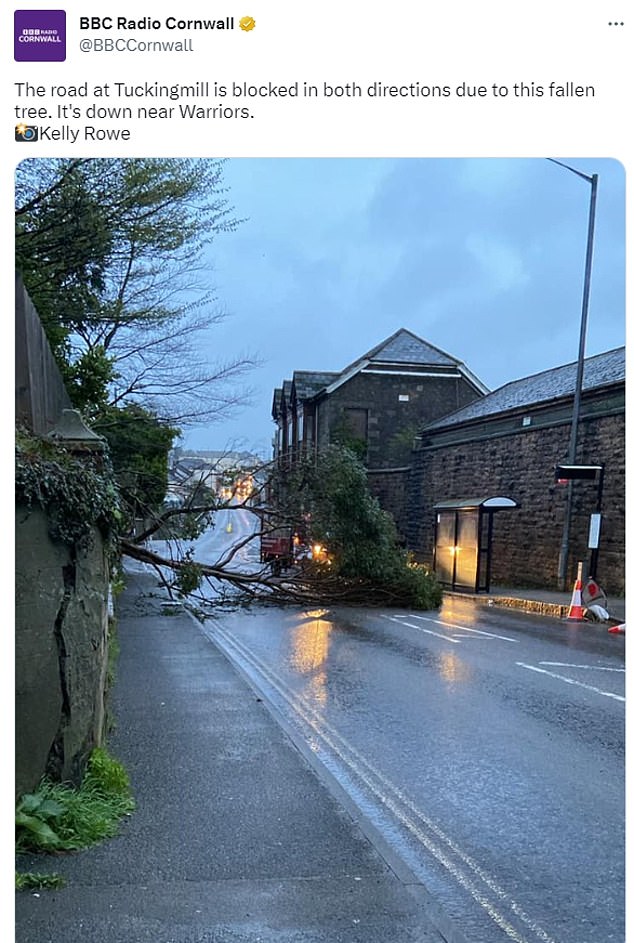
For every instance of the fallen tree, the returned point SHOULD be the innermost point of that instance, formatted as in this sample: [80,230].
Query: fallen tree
[327,499]
[313,584]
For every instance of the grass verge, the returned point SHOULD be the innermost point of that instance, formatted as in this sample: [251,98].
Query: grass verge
[58,817]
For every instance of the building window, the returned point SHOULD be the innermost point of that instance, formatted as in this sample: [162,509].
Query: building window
[356,423]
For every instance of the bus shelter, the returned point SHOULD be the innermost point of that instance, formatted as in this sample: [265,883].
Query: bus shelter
[463,537]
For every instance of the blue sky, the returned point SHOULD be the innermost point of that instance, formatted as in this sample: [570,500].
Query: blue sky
[483,258]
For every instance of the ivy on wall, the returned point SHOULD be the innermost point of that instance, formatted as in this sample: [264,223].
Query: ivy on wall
[77,492]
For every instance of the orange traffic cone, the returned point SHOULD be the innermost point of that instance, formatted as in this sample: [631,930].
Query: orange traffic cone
[575,611]
[620,629]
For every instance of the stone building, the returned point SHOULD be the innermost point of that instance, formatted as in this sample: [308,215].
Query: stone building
[377,403]
[506,445]
[481,461]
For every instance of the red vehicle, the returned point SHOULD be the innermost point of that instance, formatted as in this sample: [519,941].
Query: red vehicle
[276,548]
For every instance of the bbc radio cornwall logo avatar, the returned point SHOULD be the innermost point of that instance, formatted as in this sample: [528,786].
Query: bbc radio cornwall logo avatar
[39,36]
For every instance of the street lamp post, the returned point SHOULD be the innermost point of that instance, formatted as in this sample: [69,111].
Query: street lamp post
[593,180]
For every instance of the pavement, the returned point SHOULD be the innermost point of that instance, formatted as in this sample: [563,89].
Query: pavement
[543,602]
[235,838]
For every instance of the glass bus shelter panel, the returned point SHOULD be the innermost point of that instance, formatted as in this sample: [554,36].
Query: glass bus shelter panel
[445,546]
[467,549]
[463,541]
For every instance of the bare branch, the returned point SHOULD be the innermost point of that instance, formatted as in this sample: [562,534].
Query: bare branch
[308,587]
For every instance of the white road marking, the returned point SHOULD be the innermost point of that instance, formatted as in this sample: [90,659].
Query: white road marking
[580,684]
[419,628]
[563,664]
[463,628]
[438,843]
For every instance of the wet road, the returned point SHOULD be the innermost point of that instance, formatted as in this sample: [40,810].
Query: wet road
[232,527]
[482,749]
[227,542]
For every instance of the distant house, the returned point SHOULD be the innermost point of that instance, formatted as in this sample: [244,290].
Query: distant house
[377,403]
[189,468]
[505,446]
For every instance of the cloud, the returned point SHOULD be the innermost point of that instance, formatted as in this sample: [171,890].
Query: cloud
[484,258]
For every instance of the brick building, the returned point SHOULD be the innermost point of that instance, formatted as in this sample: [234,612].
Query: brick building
[506,445]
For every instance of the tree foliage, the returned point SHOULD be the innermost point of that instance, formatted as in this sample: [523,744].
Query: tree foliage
[113,254]
[326,499]
[345,437]
[331,493]
[139,446]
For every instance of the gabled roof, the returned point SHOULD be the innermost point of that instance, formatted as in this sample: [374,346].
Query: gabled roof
[601,370]
[307,383]
[287,386]
[404,349]
[281,399]
[277,402]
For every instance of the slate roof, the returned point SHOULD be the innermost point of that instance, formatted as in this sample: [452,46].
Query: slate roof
[406,348]
[277,400]
[281,398]
[401,348]
[309,382]
[601,370]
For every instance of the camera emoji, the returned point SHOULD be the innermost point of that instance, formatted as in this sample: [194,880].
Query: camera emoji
[26,132]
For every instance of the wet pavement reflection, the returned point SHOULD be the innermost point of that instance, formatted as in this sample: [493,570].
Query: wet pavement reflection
[309,644]
[486,747]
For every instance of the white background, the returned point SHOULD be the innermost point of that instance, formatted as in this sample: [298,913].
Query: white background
[398,43]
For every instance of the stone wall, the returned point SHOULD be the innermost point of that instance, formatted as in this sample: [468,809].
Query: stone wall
[61,652]
[392,423]
[390,487]
[526,541]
